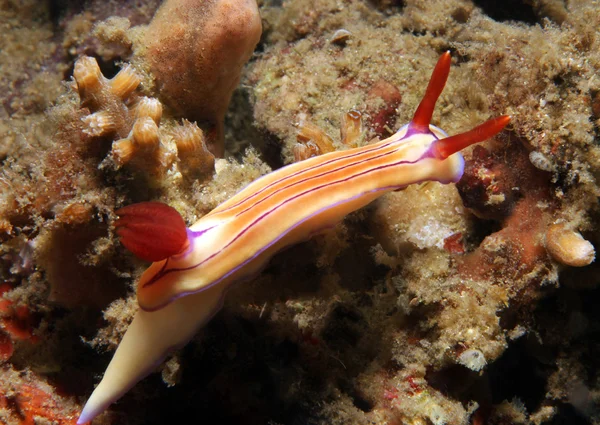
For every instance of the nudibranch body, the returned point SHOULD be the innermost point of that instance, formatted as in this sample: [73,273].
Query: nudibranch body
[185,285]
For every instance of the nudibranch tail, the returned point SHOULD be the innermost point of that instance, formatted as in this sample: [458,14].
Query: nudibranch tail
[152,231]
[443,148]
[148,340]
[422,118]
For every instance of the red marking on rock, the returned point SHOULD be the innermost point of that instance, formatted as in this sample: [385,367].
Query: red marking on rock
[6,346]
[4,288]
[488,174]
[391,394]
[350,84]
[454,244]
[415,387]
[310,339]
[36,405]
[4,303]
[384,116]
[19,324]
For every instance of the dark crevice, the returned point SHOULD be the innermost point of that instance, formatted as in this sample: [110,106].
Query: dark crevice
[481,230]
[344,328]
[389,7]
[58,8]
[242,133]
[568,415]
[595,116]
[455,382]
[508,10]
[360,402]
[520,374]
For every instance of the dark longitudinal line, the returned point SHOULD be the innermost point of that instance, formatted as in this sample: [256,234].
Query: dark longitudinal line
[335,170]
[306,170]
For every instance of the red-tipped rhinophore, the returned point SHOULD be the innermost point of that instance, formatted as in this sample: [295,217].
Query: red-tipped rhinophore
[152,231]
[422,117]
[443,148]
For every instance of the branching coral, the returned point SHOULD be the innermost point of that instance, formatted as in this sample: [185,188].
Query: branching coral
[119,112]
[116,110]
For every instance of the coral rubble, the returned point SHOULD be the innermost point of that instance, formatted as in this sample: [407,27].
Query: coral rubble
[462,304]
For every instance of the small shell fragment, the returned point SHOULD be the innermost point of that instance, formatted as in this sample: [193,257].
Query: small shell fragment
[340,37]
[473,359]
[568,247]
[540,161]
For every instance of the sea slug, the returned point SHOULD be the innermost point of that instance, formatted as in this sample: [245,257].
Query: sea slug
[194,267]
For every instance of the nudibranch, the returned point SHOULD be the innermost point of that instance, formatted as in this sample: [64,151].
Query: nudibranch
[192,268]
